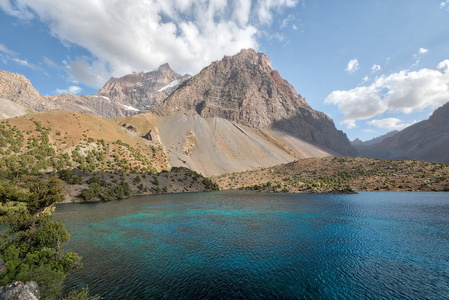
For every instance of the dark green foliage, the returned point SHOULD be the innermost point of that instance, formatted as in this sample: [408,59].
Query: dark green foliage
[31,247]
[69,177]
[99,189]
[210,185]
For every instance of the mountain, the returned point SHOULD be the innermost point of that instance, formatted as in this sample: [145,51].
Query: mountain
[358,143]
[120,97]
[246,90]
[142,91]
[17,89]
[427,140]
[9,109]
[237,114]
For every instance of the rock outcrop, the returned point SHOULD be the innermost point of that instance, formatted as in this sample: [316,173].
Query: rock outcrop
[245,89]
[427,140]
[20,291]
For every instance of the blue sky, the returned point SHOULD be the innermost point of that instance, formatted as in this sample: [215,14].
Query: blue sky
[372,66]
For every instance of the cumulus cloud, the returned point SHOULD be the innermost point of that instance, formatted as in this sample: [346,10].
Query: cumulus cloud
[398,92]
[390,123]
[353,65]
[140,35]
[70,90]
[375,68]
[4,49]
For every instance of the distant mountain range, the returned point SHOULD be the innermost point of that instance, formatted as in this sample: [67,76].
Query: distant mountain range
[427,140]
[237,114]
[357,143]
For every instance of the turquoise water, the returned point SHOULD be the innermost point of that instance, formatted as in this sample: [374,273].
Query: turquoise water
[244,245]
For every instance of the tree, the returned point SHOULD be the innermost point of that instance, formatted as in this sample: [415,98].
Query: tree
[32,246]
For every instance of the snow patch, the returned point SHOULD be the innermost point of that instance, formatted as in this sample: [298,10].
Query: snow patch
[130,107]
[104,97]
[171,84]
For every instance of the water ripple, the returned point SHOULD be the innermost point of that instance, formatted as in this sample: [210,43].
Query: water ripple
[262,246]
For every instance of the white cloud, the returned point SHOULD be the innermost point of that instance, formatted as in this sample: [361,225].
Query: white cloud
[294,27]
[375,68]
[353,65]
[422,50]
[398,92]
[264,9]
[140,35]
[443,4]
[420,53]
[286,21]
[4,49]
[25,63]
[366,78]
[390,123]
[70,90]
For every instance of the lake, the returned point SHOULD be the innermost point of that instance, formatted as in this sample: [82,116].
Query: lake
[246,245]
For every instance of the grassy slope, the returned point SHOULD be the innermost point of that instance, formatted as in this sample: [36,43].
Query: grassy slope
[57,140]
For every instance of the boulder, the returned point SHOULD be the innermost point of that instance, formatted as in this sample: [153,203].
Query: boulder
[20,291]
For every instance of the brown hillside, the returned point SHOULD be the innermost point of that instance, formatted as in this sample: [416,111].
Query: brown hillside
[339,174]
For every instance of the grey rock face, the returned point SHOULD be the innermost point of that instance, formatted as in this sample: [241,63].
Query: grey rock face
[20,291]
[30,291]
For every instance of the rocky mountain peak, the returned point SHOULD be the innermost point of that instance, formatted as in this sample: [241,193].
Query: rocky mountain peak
[165,68]
[140,92]
[18,89]
[245,89]
[242,88]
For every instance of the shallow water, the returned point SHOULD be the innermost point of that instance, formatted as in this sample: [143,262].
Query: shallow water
[244,245]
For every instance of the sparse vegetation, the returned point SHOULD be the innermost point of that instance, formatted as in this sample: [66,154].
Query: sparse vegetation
[341,175]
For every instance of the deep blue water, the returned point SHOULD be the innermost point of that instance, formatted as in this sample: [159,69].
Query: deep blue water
[244,245]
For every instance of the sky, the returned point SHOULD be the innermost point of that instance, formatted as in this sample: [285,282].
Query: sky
[372,66]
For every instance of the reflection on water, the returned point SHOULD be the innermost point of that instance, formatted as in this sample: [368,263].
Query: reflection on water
[238,245]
